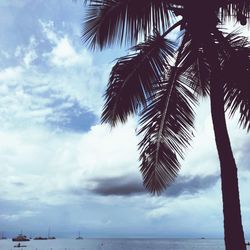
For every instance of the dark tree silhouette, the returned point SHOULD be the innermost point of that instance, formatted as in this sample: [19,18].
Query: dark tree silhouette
[161,80]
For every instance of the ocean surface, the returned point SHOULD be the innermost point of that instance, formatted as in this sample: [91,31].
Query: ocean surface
[117,244]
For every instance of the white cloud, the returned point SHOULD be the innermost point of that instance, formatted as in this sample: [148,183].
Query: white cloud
[171,207]
[48,29]
[48,164]
[27,54]
[10,74]
[28,91]
[64,55]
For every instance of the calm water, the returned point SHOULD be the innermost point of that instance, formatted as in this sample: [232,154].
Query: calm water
[117,244]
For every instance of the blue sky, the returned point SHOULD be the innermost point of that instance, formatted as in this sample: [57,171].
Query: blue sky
[61,168]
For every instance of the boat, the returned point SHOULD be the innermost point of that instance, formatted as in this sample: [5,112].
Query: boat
[3,237]
[79,237]
[247,243]
[40,238]
[50,237]
[19,245]
[20,237]
[45,238]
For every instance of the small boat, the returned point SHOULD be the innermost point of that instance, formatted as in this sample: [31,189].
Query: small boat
[20,237]
[79,237]
[247,243]
[40,238]
[3,237]
[50,237]
[19,245]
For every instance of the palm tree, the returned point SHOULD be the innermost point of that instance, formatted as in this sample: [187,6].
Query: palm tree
[178,54]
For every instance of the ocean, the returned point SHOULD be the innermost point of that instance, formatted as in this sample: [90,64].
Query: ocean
[117,244]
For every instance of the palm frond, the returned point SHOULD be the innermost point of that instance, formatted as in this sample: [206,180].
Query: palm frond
[236,72]
[131,79]
[201,72]
[194,65]
[167,124]
[109,22]
[238,10]
[228,41]
[235,65]
[234,50]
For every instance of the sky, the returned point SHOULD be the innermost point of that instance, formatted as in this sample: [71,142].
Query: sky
[64,170]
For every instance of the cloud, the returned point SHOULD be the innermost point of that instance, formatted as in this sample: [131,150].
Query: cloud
[63,53]
[125,185]
[37,89]
[43,165]
[129,185]
[191,185]
[10,74]
[18,183]
[48,29]
[187,212]
[27,55]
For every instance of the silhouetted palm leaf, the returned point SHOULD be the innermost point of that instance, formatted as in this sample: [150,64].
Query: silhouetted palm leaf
[131,79]
[236,73]
[193,60]
[235,62]
[167,127]
[234,9]
[201,71]
[121,21]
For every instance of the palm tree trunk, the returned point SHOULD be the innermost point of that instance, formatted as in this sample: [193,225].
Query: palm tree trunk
[233,230]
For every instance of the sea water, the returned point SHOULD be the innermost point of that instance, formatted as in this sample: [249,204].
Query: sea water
[116,244]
